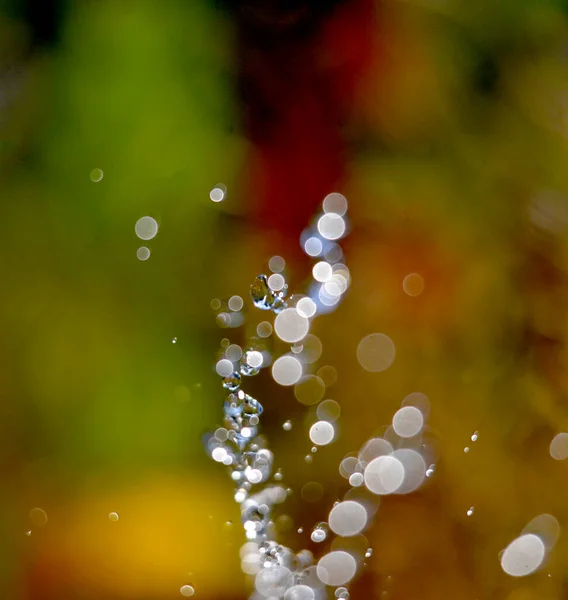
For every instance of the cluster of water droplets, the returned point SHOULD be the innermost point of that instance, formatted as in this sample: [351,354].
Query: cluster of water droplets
[278,571]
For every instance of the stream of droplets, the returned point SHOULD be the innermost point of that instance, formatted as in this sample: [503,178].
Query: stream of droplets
[278,571]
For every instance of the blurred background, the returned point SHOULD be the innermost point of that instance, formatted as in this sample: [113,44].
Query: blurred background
[445,125]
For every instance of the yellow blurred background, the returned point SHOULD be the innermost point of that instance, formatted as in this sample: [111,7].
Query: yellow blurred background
[455,139]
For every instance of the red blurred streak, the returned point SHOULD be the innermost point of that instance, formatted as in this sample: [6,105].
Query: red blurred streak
[302,93]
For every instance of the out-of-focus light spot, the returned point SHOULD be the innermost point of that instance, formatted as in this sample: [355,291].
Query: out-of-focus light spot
[96,175]
[374,448]
[218,193]
[322,271]
[264,329]
[559,447]
[546,527]
[335,203]
[414,469]
[250,563]
[407,422]
[290,326]
[224,367]
[113,516]
[219,454]
[313,246]
[306,307]
[273,581]
[413,284]
[143,253]
[287,370]
[356,479]
[287,425]
[420,401]
[333,253]
[146,228]
[347,466]
[309,390]
[311,349]
[322,433]
[328,375]
[38,517]
[376,352]
[299,592]
[276,282]
[331,226]
[276,264]
[328,410]
[466,449]
[215,304]
[187,590]
[347,518]
[234,352]
[312,492]
[384,475]
[523,556]
[236,303]
[253,358]
[336,568]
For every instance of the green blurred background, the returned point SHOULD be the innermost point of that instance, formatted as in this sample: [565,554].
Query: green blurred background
[451,124]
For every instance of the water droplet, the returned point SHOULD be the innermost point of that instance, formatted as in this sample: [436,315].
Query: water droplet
[174,341]
[300,530]
[466,449]
[28,533]
[319,533]
[368,553]
[470,511]
[340,593]
[308,458]
[232,382]
[430,470]
[113,516]
[474,436]
[287,425]
[263,297]
[251,361]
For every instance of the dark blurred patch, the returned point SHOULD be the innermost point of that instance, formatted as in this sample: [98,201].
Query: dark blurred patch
[44,19]
[288,17]
[486,74]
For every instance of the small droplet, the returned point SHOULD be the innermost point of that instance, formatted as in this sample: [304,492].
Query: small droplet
[143,253]
[300,530]
[470,511]
[113,516]
[228,523]
[309,458]
[287,425]
[314,449]
[430,470]
[217,194]
[232,382]
[466,449]
[474,436]
[187,590]
[28,533]
[174,341]
[38,517]
[369,552]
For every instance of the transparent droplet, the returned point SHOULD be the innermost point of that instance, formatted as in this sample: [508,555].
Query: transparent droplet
[319,533]
[466,449]
[38,517]
[470,511]
[232,382]
[113,516]
[474,436]
[251,361]
[287,425]
[369,553]
[235,303]
[263,297]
